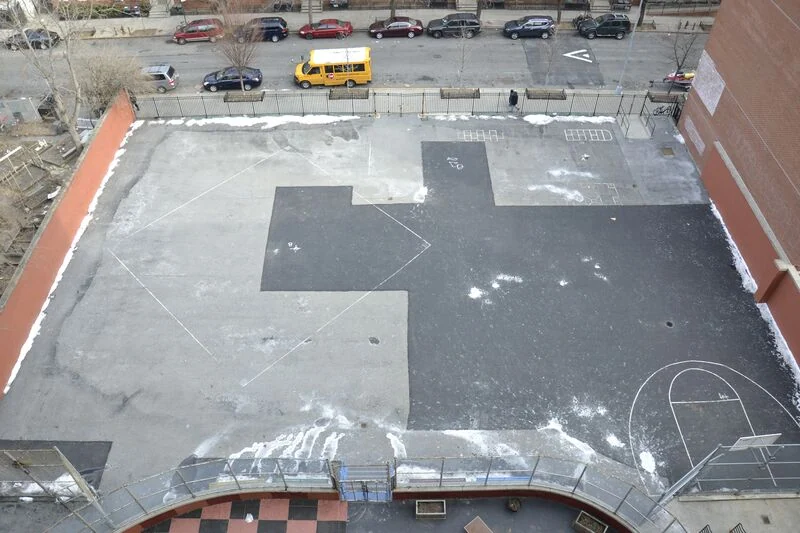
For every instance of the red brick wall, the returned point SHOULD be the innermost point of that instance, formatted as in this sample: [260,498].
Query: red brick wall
[757,122]
[55,238]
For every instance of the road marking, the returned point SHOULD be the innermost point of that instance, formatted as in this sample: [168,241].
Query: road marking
[580,55]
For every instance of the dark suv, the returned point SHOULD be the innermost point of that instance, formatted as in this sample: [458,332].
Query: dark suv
[455,25]
[542,26]
[262,29]
[608,25]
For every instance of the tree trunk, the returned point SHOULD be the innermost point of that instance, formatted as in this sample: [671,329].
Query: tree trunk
[62,114]
[310,14]
[558,16]
[642,7]
[479,9]
[392,8]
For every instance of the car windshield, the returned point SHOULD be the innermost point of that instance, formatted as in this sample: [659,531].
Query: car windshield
[306,68]
[522,21]
[600,19]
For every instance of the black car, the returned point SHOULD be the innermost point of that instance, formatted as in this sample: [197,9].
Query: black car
[40,39]
[455,25]
[531,26]
[608,25]
[262,29]
[229,79]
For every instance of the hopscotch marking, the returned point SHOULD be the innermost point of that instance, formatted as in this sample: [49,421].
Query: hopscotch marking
[576,135]
[634,448]
[426,246]
[480,135]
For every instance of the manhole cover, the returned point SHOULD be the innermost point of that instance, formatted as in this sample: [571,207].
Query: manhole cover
[666,151]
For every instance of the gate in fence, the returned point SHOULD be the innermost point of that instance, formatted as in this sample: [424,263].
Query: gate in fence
[365,483]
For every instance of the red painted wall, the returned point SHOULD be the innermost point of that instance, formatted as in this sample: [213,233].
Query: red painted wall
[55,237]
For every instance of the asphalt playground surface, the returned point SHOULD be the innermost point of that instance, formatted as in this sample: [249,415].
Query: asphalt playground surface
[316,288]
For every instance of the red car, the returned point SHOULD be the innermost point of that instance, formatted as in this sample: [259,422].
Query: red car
[327,28]
[396,27]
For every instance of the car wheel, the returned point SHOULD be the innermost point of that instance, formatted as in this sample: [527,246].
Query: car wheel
[212,88]
[620,35]
[340,35]
[248,87]
[305,84]
[469,34]
[591,35]
[275,39]
[514,36]
[546,35]
[309,36]
[437,35]
[181,41]
[212,39]
[411,35]
[379,35]
[162,90]
[350,84]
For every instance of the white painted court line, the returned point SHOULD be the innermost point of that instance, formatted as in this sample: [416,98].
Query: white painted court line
[218,185]
[170,313]
[634,448]
[708,401]
[426,244]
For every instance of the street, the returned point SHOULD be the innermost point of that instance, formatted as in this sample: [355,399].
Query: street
[488,60]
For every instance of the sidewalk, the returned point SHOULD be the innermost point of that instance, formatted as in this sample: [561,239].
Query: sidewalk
[360,19]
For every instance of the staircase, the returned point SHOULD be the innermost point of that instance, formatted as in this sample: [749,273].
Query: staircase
[316,6]
[467,5]
[159,9]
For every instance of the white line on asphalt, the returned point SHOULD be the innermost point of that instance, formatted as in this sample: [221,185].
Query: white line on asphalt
[580,55]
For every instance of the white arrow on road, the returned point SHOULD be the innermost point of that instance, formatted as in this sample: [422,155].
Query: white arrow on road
[580,55]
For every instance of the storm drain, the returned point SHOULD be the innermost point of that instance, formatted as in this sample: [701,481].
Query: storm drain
[480,135]
[574,135]
[666,151]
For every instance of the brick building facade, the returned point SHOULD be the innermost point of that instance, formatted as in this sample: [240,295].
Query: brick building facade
[742,124]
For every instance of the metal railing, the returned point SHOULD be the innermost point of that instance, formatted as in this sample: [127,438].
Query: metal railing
[154,495]
[686,7]
[387,101]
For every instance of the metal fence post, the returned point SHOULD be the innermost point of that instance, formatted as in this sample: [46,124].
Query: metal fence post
[530,479]
[233,475]
[596,101]
[277,461]
[423,101]
[579,479]
[623,499]
[277,103]
[155,105]
[135,499]
[180,109]
[488,470]
[203,101]
[441,473]
[178,471]
[547,104]
[670,524]
[302,106]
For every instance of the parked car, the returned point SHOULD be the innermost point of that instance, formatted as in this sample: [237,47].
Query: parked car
[39,39]
[199,30]
[327,28]
[396,27]
[531,26]
[619,5]
[230,79]
[608,25]
[455,25]
[262,29]
[162,77]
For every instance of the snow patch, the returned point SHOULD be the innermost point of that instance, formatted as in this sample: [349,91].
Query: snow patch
[679,138]
[331,445]
[561,172]
[54,193]
[585,452]
[420,195]
[265,122]
[485,442]
[647,462]
[587,411]
[475,293]
[397,446]
[543,120]
[569,194]
[37,325]
[563,282]
[506,277]
[614,442]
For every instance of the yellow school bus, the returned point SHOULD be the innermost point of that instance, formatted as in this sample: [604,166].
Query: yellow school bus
[337,66]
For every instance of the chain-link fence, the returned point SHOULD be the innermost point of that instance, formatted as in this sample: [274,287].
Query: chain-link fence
[203,478]
[385,102]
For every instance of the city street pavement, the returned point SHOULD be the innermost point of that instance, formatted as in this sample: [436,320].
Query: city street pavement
[488,60]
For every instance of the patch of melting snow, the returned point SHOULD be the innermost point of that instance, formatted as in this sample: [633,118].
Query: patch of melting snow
[614,442]
[568,194]
[749,284]
[495,285]
[34,331]
[585,452]
[54,193]
[331,445]
[587,411]
[506,277]
[543,120]
[563,282]
[293,246]
[475,293]
[562,172]
[398,447]
[420,195]
[265,122]
[679,138]
[600,276]
[647,462]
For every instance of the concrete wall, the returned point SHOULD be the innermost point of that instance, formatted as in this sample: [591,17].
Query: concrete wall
[31,284]
[746,100]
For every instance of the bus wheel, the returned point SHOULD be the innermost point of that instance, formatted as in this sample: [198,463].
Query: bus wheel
[350,84]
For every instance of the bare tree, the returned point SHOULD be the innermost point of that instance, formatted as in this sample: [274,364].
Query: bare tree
[682,48]
[239,47]
[392,8]
[106,72]
[310,11]
[464,52]
[479,9]
[559,7]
